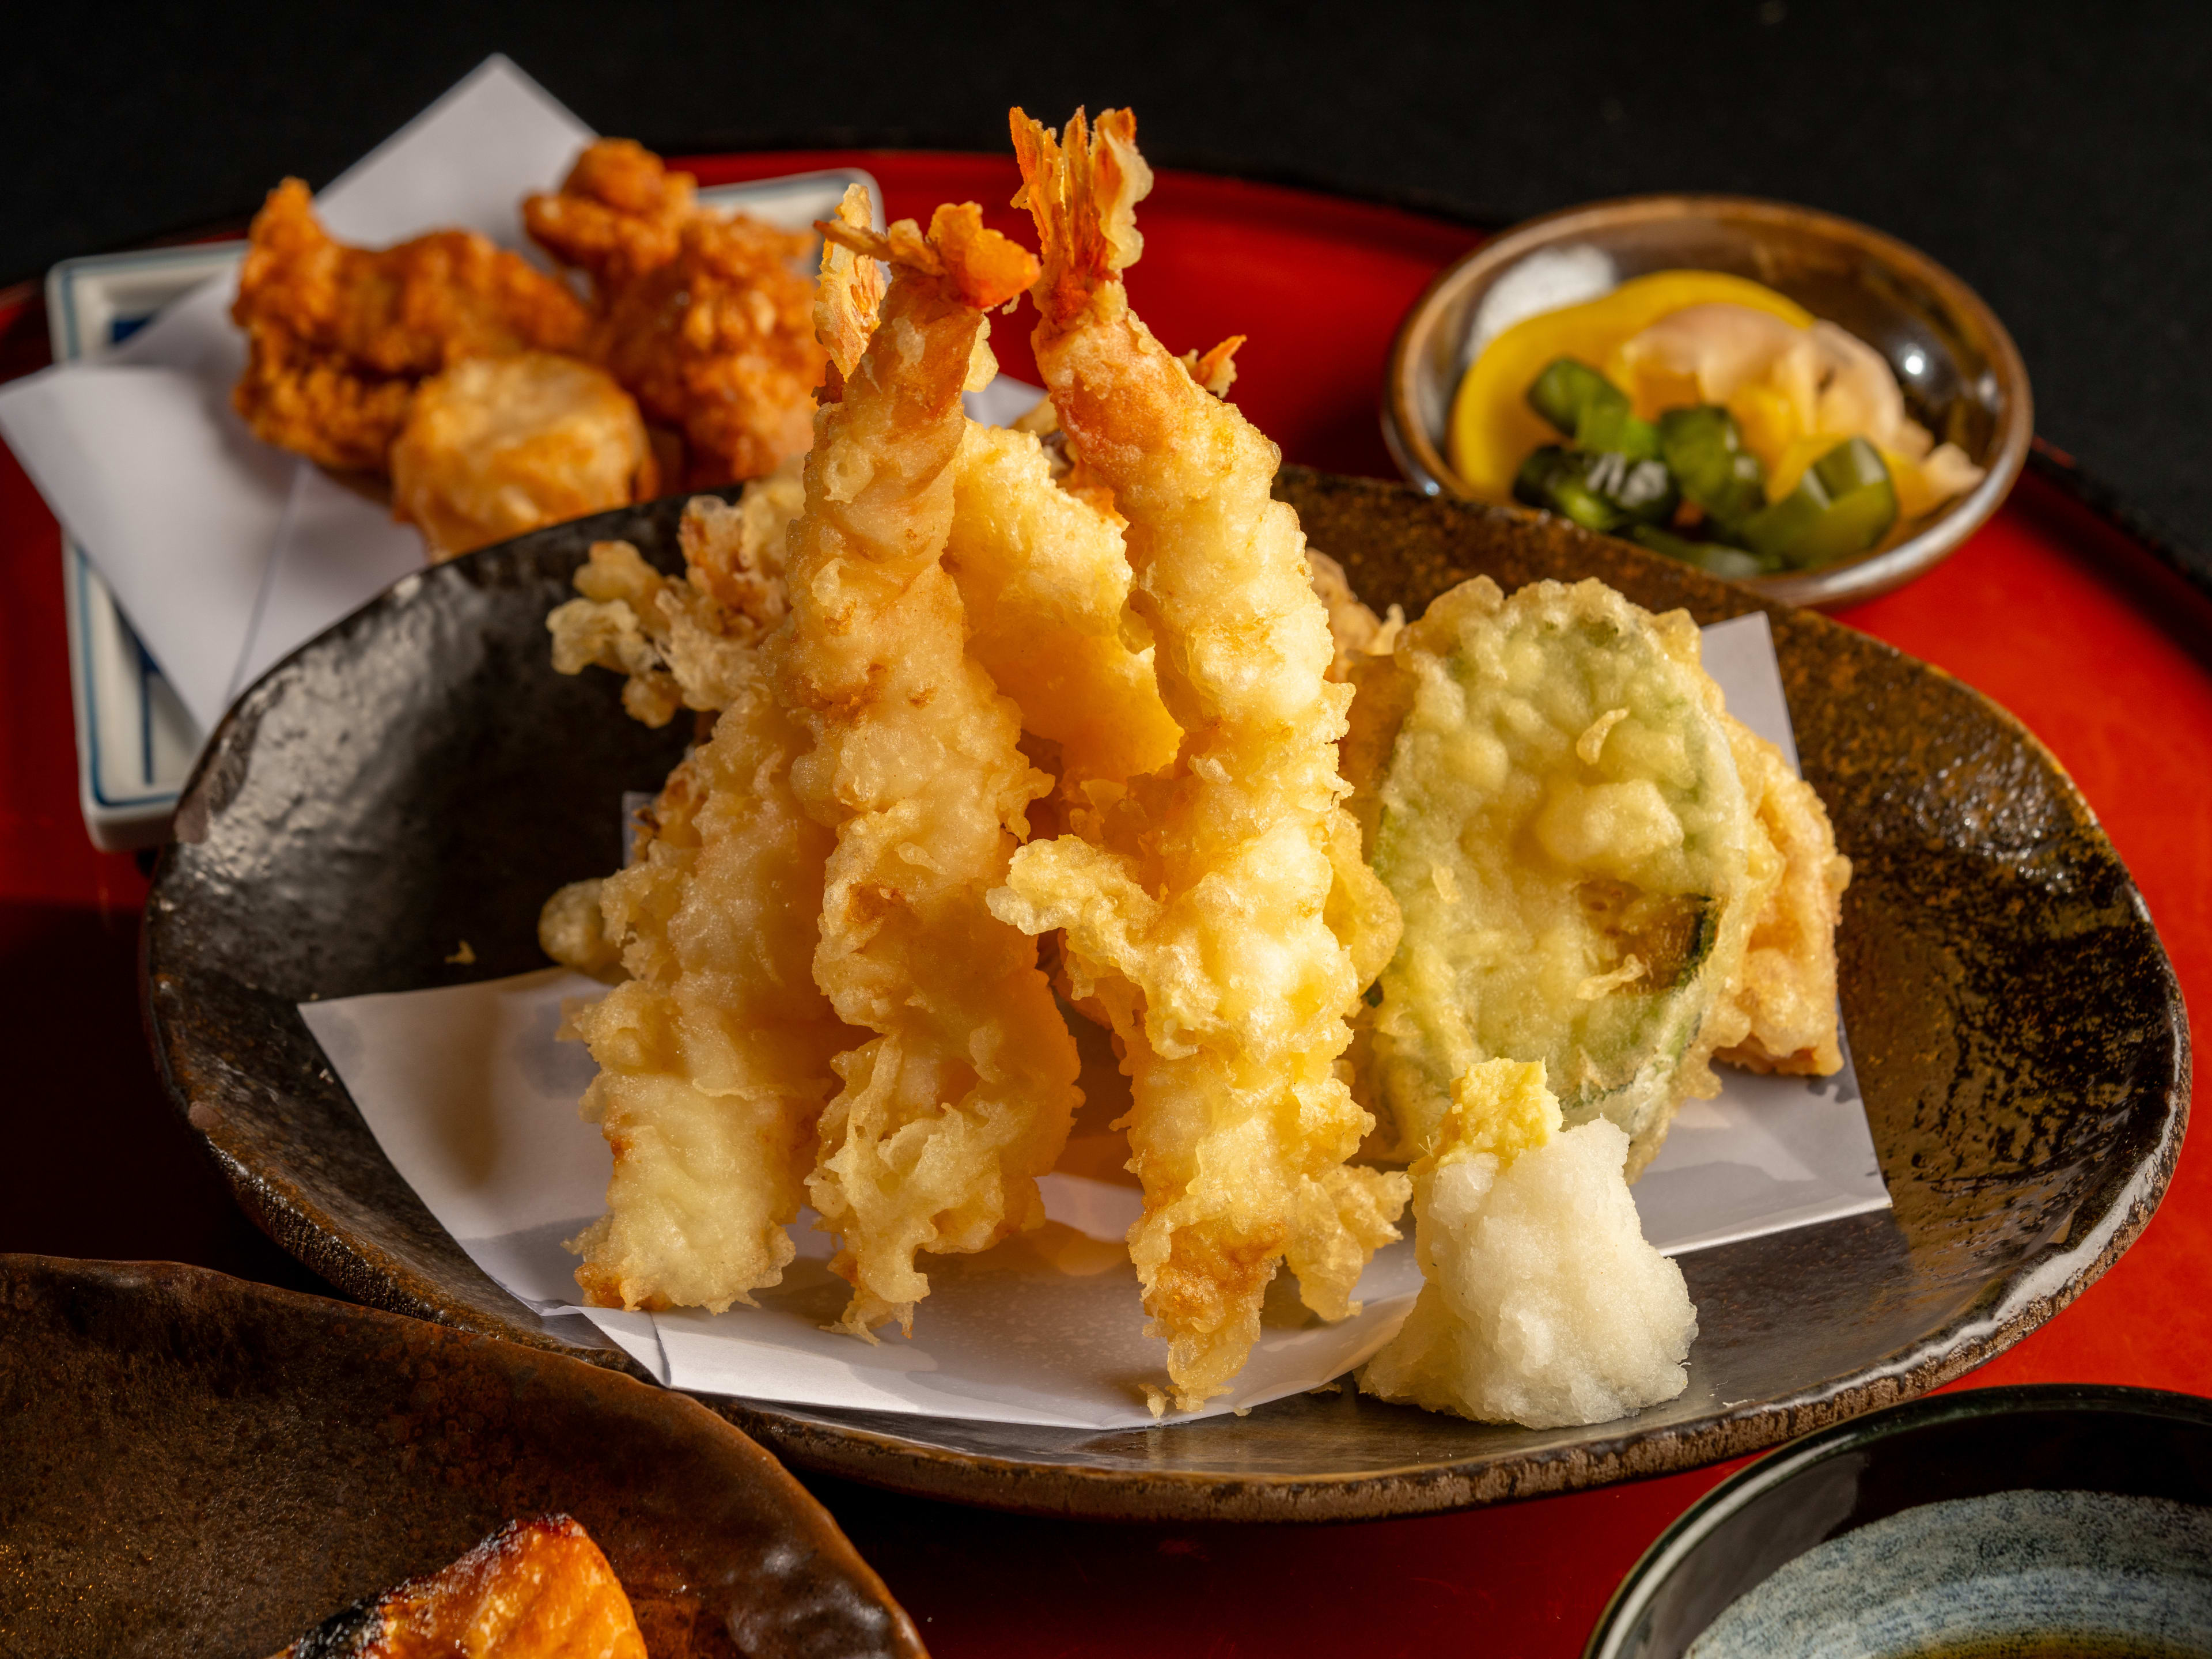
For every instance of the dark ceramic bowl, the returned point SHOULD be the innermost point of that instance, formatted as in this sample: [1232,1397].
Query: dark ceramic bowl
[1832,1545]
[1962,376]
[194,1464]
[419,773]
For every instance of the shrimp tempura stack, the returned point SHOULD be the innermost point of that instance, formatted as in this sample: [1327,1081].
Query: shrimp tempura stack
[1198,906]
[1046,582]
[714,1055]
[963,1096]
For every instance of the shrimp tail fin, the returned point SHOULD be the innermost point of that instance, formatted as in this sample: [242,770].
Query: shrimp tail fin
[985,268]
[977,267]
[851,292]
[1083,191]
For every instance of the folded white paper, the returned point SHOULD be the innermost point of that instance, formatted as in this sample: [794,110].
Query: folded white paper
[475,1103]
[223,552]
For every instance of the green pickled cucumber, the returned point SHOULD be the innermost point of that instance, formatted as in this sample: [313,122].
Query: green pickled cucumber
[1547,787]
[1844,505]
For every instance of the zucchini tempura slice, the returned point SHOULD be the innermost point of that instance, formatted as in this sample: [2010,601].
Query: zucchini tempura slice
[1555,806]
[961,1096]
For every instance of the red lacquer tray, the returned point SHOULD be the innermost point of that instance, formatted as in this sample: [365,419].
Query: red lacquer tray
[2068,622]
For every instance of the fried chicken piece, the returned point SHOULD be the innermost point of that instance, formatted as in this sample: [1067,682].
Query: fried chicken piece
[717,343]
[705,317]
[618,214]
[494,447]
[338,337]
[534,1589]
[963,1096]
[1202,909]
[1780,1014]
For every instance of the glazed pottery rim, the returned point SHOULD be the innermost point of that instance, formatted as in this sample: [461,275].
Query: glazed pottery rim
[1786,1463]
[1425,466]
[217,1322]
[2004,1308]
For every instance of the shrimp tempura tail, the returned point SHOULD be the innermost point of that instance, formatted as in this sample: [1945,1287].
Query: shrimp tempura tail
[962,1096]
[1205,911]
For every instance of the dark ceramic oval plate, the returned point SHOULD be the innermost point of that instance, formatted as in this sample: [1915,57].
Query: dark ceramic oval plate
[420,774]
[193,1464]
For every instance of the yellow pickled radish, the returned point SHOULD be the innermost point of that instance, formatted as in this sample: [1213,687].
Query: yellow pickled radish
[1493,429]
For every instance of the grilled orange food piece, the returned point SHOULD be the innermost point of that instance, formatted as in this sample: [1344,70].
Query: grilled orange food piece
[534,1589]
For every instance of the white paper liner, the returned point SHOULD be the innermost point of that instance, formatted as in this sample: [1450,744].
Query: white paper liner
[475,1103]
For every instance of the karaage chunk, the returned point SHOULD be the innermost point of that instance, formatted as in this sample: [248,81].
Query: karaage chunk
[620,213]
[494,447]
[339,336]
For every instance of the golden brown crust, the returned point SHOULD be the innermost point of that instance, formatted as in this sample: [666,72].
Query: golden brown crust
[705,318]
[340,336]
[494,447]
[619,214]
[719,342]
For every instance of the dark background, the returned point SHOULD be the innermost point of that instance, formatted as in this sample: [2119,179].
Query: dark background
[2058,158]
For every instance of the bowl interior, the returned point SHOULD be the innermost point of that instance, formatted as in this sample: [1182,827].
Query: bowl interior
[1961,376]
[197,1464]
[2124,1443]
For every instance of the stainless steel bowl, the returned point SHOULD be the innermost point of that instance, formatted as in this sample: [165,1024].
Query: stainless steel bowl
[1962,375]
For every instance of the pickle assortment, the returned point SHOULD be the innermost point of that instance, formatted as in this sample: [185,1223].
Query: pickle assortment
[1686,485]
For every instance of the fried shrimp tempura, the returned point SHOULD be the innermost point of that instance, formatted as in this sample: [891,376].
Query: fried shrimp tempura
[494,447]
[714,1055]
[684,644]
[714,1051]
[1044,581]
[1197,907]
[338,337]
[963,1094]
